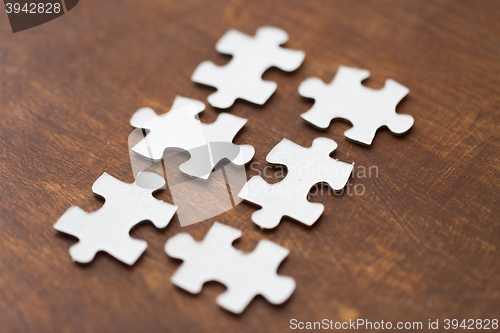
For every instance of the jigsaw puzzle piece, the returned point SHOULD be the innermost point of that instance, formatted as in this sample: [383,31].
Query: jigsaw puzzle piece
[306,168]
[366,109]
[179,128]
[276,289]
[108,228]
[94,236]
[278,201]
[242,76]
[244,275]
[248,86]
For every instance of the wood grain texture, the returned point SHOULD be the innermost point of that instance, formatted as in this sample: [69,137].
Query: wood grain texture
[421,243]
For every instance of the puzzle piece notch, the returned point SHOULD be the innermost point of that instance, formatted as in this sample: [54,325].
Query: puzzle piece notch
[245,275]
[365,108]
[180,128]
[242,76]
[289,197]
[108,229]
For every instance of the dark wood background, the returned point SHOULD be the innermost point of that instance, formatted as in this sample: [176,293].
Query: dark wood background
[421,243]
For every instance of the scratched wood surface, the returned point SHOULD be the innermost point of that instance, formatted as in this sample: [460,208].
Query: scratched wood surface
[420,243]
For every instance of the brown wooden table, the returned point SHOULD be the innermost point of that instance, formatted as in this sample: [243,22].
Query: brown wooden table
[421,243]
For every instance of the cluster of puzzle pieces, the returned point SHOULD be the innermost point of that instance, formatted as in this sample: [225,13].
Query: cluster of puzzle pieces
[215,259]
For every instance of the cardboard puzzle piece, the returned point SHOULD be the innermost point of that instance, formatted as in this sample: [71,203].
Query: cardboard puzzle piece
[242,76]
[367,109]
[180,128]
[245,275]
[108,229]
[306,168]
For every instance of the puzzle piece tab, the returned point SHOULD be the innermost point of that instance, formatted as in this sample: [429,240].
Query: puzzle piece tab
[242,76]
[108,228]
[245,275]
[367,109]
[306,168]
[180,128]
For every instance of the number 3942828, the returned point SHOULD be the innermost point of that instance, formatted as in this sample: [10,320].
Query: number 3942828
[471,324]
[33,8]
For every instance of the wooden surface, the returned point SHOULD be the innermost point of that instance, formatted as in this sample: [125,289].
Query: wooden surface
[421,243]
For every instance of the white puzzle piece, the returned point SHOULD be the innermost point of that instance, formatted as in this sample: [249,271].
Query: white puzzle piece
[108,228]
[242,76]
[245,275]
[367,109]
[306,168]
[180,128]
